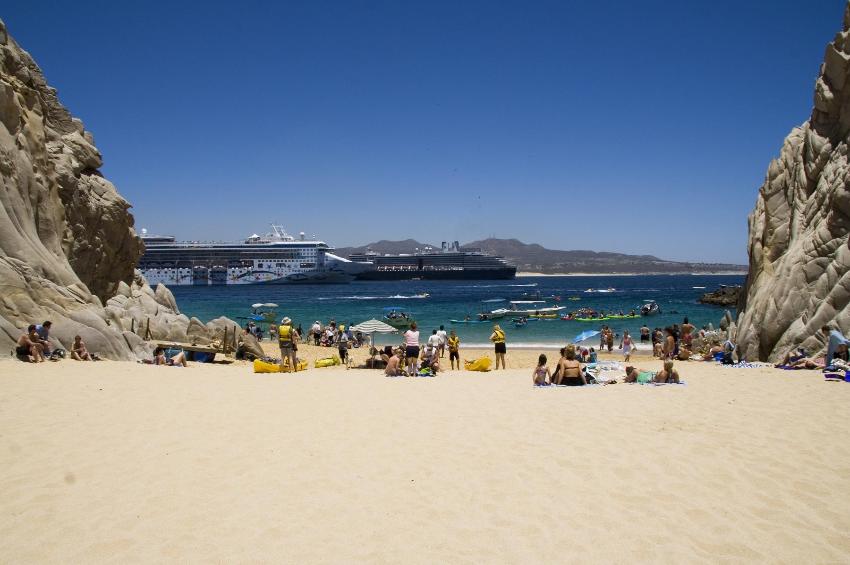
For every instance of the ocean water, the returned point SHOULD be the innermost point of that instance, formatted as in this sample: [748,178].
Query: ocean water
[359,301]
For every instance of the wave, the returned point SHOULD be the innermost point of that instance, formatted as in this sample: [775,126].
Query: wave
[393,297]
[498,285]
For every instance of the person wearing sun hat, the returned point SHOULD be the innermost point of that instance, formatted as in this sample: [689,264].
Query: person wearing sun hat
[286,341]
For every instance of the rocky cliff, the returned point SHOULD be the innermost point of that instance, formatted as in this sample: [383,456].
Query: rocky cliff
[67,244]
[799,275]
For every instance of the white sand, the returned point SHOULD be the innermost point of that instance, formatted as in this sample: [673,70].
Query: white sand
[118,462]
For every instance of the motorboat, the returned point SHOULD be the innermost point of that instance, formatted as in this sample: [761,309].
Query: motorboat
[650,309]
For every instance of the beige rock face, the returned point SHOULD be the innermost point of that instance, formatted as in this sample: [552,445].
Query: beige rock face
[67,245]
[66,238]
[799,277]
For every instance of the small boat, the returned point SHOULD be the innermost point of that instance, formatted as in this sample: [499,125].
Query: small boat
[397,317]
[262,312]
[574,298]
[520,322]
[468,321]
[528,312]
[650,309]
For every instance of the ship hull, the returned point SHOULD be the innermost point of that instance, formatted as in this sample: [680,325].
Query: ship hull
[154,278]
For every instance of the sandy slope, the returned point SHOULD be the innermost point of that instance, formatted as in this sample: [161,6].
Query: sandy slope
[117,462]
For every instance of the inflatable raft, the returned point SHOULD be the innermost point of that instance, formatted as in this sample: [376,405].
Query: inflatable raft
[482,365]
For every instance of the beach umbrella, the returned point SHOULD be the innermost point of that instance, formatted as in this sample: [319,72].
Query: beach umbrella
[585,335]
[372,327]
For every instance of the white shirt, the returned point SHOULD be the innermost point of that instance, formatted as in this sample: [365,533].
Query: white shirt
[442,335]
[435,340]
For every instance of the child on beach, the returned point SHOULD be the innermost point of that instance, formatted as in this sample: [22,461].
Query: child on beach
[541,375]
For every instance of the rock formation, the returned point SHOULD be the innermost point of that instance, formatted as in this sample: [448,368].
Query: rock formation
[723,296]
[67,244]
[799,276]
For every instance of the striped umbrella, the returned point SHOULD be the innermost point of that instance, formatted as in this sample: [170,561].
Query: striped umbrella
[372,327]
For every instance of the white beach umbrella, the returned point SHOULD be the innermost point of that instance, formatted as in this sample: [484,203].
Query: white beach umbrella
[372,327]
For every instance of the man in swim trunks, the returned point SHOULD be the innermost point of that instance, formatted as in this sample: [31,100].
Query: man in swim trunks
[498,338]
[644,333]
[454,349]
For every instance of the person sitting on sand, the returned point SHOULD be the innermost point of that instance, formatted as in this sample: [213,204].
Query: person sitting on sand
[684,353]
[159,358]
[541,376]
[712,351]
[569,370]
[29,347]
[430,358]
[43,332]
[79,351]
[668,374]
[393,365]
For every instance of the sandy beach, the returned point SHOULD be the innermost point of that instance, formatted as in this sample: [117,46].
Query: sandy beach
[119,462]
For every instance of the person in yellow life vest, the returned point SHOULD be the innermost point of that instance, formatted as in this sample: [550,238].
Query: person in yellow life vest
[454,349]
[498,338]
[286,340]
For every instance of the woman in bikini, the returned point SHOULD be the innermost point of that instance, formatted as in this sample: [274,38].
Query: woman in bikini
[569,370]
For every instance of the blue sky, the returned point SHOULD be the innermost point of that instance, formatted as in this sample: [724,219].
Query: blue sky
[639,127]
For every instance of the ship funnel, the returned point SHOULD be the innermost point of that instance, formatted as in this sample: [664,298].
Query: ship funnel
[301,235]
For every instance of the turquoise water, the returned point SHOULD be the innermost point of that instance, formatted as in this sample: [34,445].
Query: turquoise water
[448,300]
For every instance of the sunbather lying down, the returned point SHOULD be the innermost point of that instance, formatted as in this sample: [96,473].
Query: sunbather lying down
[667,375]
[804,363]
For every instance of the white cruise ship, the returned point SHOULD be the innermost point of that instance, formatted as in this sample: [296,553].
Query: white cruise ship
[276,258]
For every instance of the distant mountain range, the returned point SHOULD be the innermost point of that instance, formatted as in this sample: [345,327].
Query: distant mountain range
[534,258]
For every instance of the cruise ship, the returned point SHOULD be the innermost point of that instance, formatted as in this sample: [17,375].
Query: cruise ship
[451,261]
[276,258]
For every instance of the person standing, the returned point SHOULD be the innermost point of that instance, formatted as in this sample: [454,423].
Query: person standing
[443,340]
[498,339]
[316,330]
[609,340]
[285,339]
[411,349]
[434,340]
[626,345]
[644,333]
[687,333]
[454,349]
